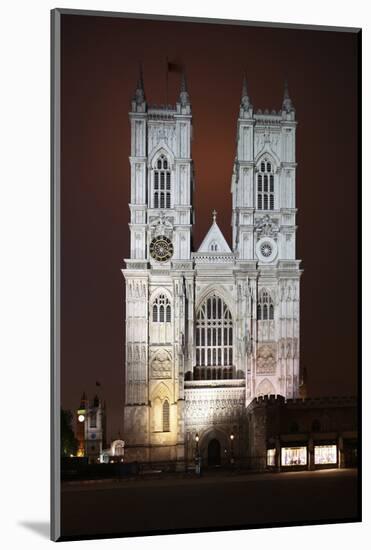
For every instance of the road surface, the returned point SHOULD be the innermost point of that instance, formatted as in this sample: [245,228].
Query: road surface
[215,501]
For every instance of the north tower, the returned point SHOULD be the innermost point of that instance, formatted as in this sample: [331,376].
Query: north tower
[158,277]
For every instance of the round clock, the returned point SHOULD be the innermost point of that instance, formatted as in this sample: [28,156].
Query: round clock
[81,418]
[266,249]
[161,248]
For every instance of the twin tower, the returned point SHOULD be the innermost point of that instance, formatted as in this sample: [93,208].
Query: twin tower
[207,330]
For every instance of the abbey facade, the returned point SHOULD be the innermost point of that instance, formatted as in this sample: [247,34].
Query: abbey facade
[207,331]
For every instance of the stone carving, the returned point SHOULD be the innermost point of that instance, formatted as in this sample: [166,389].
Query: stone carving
[161,365]
[265,388]
[266,227]
[161,225]
[136,289]
[266,360]
[213,409]
[161,132]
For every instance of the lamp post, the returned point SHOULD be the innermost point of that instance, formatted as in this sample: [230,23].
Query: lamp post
[232,455]
[197,456]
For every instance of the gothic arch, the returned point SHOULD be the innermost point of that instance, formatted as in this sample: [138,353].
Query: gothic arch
[160,408]
[268,153]
[161,149]
[214,433]
[218,291]
[161,391]
[160,290]
[265,388]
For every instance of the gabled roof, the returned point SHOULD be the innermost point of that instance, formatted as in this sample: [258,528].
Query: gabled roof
[214,240]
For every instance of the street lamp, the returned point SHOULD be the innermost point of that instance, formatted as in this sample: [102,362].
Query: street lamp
[232,455]
[197,456]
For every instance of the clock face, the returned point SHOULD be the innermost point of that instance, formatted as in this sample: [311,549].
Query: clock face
[161,248]
[266,250]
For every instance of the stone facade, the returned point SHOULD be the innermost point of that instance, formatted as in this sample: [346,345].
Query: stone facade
[209,330]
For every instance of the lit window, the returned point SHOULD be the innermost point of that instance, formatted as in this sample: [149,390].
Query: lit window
[325,454]
[161,310]
[271,457]
[265,187]
[214,340]
[265,308]
[162,184]
[294,456]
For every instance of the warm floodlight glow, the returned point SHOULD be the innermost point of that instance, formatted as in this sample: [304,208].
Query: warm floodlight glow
[232,437]
[81,418]
[271,457]
[294,456]
[325,454]
[197,438]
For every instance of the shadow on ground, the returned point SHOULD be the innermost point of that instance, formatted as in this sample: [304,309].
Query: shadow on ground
[41,528]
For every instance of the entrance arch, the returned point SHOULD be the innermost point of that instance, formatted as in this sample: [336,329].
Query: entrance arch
[213,453]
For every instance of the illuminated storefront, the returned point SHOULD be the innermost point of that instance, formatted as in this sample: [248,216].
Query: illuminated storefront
[271,457]
[325,454]
[294,456]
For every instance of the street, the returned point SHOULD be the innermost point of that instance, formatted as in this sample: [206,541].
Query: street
[217,500]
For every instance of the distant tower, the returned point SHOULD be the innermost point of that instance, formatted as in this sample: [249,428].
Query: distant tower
[91,428]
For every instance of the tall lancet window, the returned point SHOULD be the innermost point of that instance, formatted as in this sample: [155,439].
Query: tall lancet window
[162,184]
[214,340]
[161,310]
[265,186]
[265,308]
[166,416]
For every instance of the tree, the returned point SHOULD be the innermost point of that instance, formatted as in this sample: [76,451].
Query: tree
[68,440]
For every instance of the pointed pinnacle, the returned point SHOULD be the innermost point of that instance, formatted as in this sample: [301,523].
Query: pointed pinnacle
[287,104]
[286,94]
[140,85]
[244,85]
[183,83]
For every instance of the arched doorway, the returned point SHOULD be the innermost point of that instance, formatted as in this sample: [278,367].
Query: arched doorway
[213,453]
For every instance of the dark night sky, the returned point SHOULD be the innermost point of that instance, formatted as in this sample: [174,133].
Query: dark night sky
[100,58]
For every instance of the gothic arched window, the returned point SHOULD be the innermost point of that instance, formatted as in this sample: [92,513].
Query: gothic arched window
[265,309]
[265,186]
[166,416]
[162,184]
[161,310]
[214,340]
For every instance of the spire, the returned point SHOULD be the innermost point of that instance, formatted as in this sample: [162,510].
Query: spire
[214,214]
[184,95]
[287,104]
[83,401]
[245,100]
[139,95]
